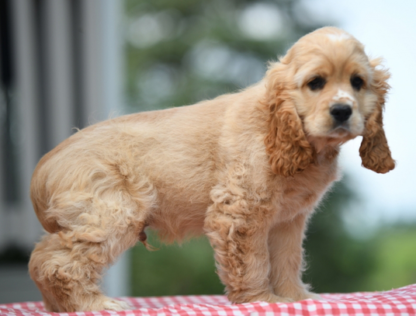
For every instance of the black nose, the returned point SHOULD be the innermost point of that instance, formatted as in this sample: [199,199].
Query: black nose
[341,112]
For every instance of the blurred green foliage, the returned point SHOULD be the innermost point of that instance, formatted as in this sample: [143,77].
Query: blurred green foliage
[172,269]
[179,52]
[395,258]
[336,261]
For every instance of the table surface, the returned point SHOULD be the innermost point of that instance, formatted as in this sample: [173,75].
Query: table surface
[400,302]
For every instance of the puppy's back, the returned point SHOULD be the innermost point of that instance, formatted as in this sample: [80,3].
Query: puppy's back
[171,142]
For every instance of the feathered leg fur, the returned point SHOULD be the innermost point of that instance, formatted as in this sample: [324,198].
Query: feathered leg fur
[286,257]
[67,266]
[239,238]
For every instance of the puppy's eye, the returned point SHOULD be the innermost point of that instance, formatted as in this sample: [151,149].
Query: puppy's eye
[356,82]
[317,83]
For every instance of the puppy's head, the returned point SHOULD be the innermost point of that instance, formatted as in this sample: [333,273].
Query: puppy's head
[325,90]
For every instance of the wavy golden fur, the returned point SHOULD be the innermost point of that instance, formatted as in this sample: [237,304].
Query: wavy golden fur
[247,169]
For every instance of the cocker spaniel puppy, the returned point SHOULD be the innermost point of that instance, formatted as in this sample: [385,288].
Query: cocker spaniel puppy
[247,169]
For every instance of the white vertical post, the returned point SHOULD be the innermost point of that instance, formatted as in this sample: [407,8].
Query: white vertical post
[117,279]
[59,70]
[113,56]
[92,67]
[102,55]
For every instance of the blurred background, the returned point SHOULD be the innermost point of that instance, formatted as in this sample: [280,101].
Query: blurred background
[71,63]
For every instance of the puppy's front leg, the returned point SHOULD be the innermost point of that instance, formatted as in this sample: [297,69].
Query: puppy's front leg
[286,257]
[238,233]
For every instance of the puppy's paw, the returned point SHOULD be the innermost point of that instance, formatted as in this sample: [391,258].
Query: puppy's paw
[270,298]
[305,295]
[312,296]
[281,299]
[297,293]
[115,305]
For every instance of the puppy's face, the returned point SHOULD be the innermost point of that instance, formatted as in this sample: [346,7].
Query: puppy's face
[325,88]
[332,80]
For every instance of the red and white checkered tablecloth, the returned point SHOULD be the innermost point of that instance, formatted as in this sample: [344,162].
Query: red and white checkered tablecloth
[400,302]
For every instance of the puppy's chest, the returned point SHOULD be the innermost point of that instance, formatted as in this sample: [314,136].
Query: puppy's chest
[303,192]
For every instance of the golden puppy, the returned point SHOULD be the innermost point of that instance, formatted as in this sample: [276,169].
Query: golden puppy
[247,169]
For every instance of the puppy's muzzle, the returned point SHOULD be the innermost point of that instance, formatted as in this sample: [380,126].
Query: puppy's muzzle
[340,113]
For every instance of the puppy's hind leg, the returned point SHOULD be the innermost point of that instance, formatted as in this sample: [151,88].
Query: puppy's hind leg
[42,251]
[67,266]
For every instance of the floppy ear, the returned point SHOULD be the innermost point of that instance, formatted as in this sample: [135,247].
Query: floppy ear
[286,143]
[374,150]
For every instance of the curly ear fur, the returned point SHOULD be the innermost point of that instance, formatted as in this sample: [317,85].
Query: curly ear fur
[289,150]
[374,150]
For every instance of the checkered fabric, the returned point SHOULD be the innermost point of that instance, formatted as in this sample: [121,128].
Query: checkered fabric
[400,302]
